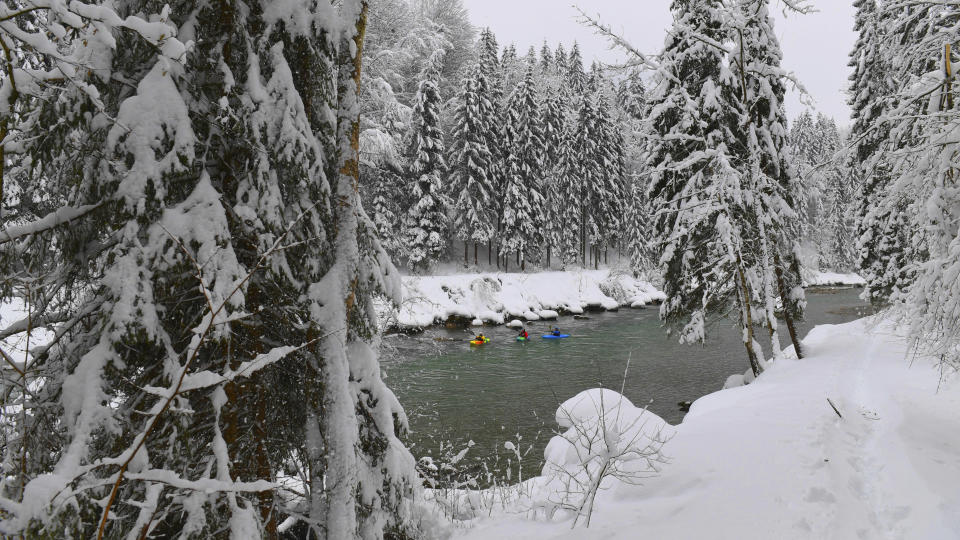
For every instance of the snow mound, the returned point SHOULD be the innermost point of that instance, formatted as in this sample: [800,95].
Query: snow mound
[601,423]
[496,298]
[516,323]
[477,322]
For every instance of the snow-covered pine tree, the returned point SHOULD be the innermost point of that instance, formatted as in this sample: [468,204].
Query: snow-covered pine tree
[426,223]
[547,65]
[837,189]
[554,141]
[695,118]
[771,223]
[880,247]
[576,83]
[608,194]
[472,163]
[560,59]
[523,200]
[631,95]
[211,298]
[925,127]
[489,59]
[568,216]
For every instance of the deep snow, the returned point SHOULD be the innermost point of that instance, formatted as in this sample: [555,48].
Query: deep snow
[499,297]
[773,459]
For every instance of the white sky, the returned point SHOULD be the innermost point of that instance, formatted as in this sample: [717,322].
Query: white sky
[815,46]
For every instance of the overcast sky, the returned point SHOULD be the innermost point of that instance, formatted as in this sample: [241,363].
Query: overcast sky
[815,46]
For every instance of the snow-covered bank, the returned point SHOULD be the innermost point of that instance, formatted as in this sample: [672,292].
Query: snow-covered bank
[816,278]
[496,297]
[773,459]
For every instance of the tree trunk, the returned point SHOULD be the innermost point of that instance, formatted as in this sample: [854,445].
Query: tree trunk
[506,262]
[746,318]
[785,299]
[466,261]
[475,263]
[489,253]
[334,479]
[518,258]
[548,257]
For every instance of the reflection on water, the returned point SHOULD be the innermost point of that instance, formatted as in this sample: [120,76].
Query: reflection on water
[455,393]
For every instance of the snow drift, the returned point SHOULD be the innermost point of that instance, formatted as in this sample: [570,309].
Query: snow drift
[496,298]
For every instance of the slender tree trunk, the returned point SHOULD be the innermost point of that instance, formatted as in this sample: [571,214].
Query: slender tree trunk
[746,319]
[518,258]
[548,257]
[506,262]
[785,300]
[489,253]
[466,261]
[475,263]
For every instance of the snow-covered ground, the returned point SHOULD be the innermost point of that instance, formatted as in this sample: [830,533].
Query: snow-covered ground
[773,459]
[498,297]
[816,278]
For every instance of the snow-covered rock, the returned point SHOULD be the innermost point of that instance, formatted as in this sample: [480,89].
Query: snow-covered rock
[516,323]
[496,298]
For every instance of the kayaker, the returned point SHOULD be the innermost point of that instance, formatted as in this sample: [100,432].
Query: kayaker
[523,333]
[556,331]
[480,337]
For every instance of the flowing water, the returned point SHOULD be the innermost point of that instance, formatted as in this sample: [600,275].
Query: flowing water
[508,391]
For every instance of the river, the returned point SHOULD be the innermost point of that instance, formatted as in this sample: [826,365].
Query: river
[509,391]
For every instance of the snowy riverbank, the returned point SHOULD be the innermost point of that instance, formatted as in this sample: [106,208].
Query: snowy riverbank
[767,460]
[816,278]
[497,297]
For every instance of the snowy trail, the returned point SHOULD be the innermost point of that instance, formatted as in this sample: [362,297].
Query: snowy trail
[773,460]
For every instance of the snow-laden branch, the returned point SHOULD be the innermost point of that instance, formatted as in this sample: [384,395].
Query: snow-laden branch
[54,219]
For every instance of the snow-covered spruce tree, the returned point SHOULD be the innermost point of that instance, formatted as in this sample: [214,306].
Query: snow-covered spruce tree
[547,65]
[471,165]
[212,306]
[837,190]
[695,118]
[576,83]
[560,59]
[552,122]
[771,221]
[925,168]
[871,97]
[425,225]
[522,193]
[489,59]
[579,181]
[610,193]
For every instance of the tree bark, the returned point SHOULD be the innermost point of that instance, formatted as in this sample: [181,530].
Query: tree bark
[746,319]
[475,263]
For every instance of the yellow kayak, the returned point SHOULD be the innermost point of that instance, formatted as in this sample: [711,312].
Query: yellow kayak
[478,342]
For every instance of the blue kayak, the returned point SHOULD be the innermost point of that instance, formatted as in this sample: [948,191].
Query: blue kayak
[551,336]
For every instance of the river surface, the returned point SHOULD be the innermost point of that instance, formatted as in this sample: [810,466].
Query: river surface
[507,391]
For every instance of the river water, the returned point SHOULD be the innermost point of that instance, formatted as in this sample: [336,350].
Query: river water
[507,391]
